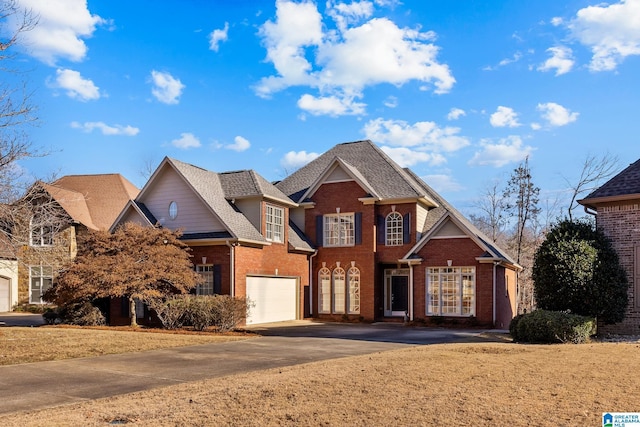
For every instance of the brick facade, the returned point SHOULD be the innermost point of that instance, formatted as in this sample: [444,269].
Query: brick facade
[621,223]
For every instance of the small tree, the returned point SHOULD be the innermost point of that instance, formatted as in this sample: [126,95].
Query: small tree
[577,269]
[135,262]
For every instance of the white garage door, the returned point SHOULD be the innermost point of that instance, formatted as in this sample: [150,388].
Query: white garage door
[274,299]
[5,288]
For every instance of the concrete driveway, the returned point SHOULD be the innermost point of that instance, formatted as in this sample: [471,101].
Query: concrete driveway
[21,319]
[46,384]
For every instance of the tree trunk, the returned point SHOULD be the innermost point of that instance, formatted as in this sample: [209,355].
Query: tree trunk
[132,312]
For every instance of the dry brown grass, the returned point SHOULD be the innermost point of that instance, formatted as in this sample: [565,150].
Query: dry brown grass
[24,345]
[497,384]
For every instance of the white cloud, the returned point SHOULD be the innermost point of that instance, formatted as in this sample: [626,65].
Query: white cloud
[75,85]
[557,115]
[330,105]
[406,157]
[561,60]
[62,26]
[441,183]
[423,136]
[391,102]
[455,114]
[218,36]
[187,140]
[166,88]
[505,151]
[610,31]
[556,21]
[108,130]
[295,160]
[239,144]
[342,62]
[504,117]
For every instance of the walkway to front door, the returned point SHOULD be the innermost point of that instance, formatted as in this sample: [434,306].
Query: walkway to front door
[396,292]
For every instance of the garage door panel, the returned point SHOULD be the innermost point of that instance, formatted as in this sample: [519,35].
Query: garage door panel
[273,299]
[5,285]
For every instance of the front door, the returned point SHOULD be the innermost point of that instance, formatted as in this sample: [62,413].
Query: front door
[396,292]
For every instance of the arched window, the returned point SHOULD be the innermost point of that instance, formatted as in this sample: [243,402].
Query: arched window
[324,290]
[338,290]
[394,229]
[353,306]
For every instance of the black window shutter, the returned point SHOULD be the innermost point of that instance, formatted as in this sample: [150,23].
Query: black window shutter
[124,306]
[406,228]
[319,229]
[381,229]
[358,227]
[217,279]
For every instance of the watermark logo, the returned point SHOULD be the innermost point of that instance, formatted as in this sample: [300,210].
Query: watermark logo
[621,419]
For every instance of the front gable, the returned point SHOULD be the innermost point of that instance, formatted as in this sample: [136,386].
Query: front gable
[188,211]
[336,172]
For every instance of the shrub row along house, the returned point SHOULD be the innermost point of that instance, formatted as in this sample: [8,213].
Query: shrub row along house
[350,236]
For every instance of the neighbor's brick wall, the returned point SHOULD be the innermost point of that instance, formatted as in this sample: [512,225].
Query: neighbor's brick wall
[621,223]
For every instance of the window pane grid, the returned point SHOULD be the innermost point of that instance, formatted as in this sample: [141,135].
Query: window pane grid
[324,290]
[451,291]
[394,229]
[354,291]
[274,223]
[338,290]
[206,288]
[339,230]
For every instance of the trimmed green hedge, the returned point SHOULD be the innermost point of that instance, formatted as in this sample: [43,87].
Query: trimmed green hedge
[546,327]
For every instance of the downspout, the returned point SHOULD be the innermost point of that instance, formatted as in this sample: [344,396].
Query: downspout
[410,292]
[311,282]
[232,283]
[495,264]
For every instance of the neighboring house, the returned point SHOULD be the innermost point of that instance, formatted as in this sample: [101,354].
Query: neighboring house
[616,206]
[46,224]
[389,247]
[238,227]
[8,275]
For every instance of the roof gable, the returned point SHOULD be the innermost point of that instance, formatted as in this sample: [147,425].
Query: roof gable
[363,161]
[247,184]
[339,171]
[624,185]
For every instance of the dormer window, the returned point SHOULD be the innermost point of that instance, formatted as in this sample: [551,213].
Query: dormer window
[274,220]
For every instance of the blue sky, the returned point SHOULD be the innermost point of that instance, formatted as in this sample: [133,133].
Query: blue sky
[460,91]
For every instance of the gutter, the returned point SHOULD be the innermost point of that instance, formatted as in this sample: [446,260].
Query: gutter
[311,283]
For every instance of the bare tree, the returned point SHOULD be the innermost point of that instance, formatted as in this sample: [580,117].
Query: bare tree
[595,170]
[491,219]
[16,109]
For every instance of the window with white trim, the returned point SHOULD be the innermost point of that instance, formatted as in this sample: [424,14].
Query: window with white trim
[40,279]
[353,278]
[274,223]
[206,287]
[394,227]
[339,229]
[41,233]
[324,290]
[339,285]
[451,291]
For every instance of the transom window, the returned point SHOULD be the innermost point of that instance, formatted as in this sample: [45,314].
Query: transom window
[339,229]
[395,232]
[274,224]
[41,279]
[451,291]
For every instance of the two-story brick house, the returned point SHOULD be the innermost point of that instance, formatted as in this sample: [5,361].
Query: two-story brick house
[389,247]
[43,228]
[238,227]
[616,206]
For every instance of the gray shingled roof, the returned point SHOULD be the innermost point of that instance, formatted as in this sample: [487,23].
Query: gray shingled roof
[298,240]
[248,183]
[385,177]
[625,183]
[208,185]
